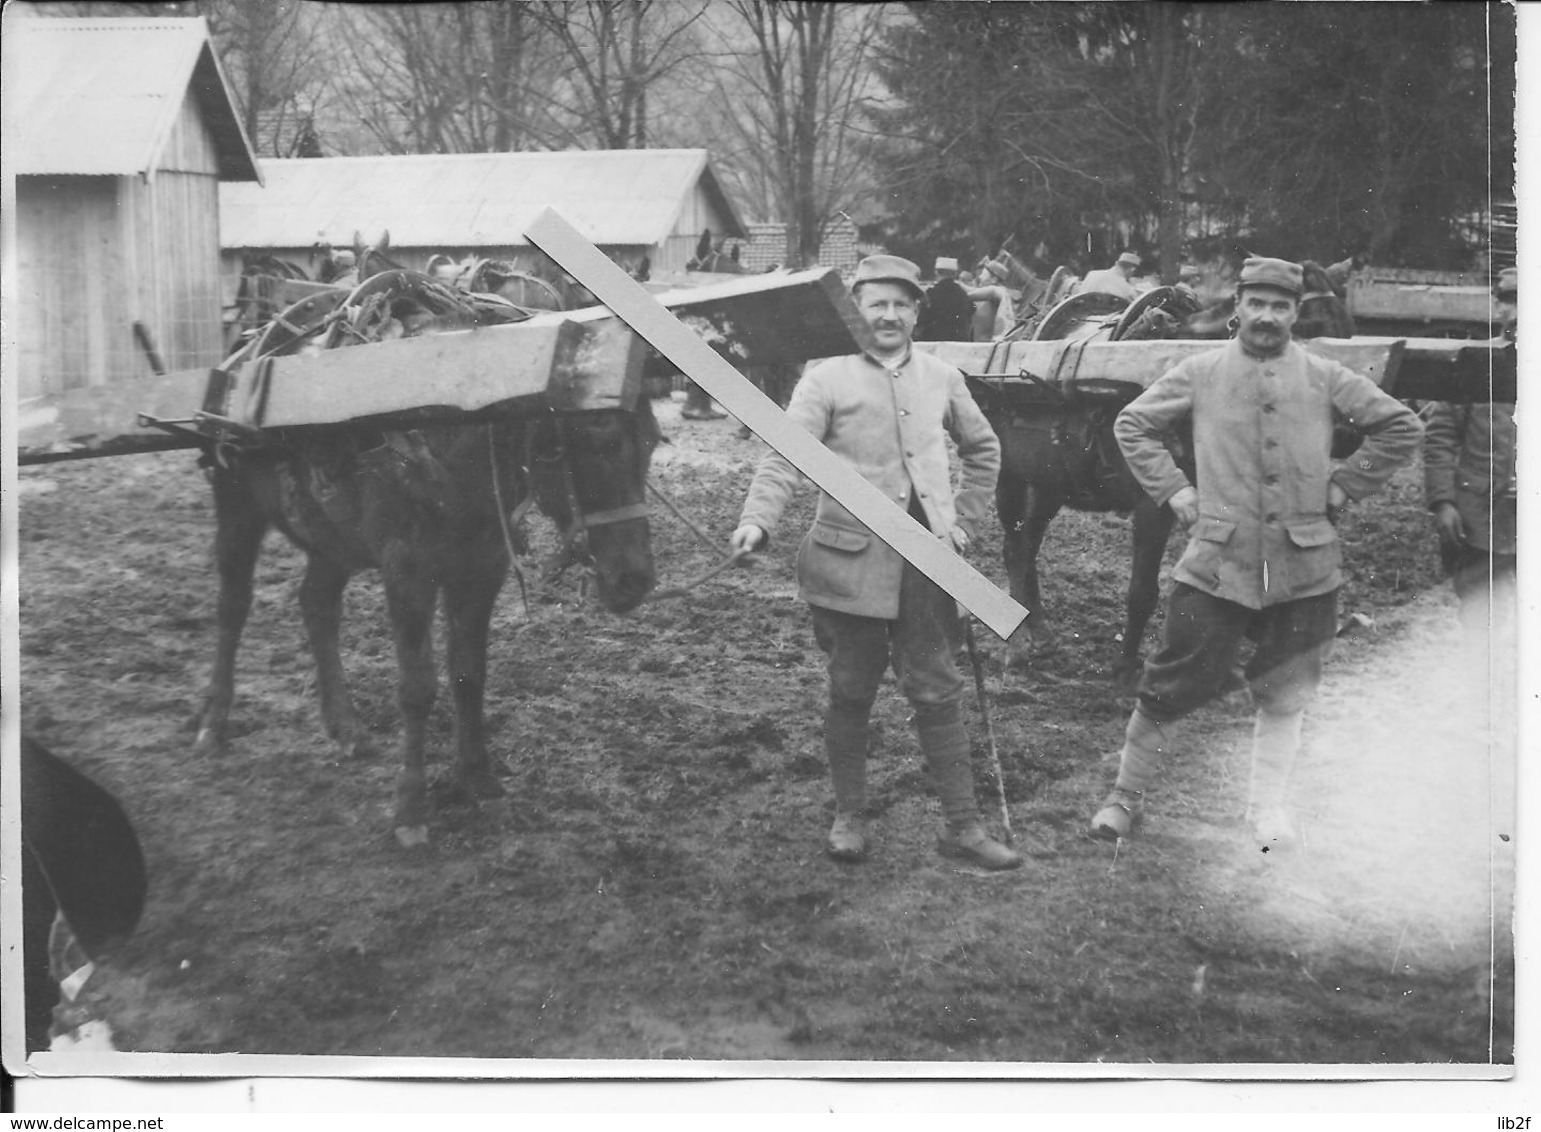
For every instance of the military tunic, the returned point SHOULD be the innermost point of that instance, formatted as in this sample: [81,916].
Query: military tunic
[891,424]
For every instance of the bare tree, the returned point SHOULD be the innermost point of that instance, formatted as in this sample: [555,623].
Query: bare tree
[790,96]
[619,51]
[452,78]
[270,53]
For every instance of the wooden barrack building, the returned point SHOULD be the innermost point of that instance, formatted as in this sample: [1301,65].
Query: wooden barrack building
[118,132]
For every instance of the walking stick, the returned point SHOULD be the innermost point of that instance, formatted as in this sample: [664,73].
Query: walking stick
[984,710]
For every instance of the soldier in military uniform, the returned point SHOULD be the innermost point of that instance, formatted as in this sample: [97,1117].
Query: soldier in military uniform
[1263,559]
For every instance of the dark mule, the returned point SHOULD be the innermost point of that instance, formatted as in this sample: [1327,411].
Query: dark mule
[83,878]
[1060,452]
[429,508]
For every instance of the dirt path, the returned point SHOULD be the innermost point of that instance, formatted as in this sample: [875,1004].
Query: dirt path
[654,886]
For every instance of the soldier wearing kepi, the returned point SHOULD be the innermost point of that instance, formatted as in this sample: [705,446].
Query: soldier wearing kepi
[945,311]
[888,412]
[1115,280]
[1263,560]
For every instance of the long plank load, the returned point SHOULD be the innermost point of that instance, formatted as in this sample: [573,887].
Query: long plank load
[572,360]
[1442,369]
[1421,302]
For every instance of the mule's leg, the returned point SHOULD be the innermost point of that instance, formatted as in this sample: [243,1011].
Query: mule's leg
[410,590]
[1041,507]
[1011,506]
[469,596]
[321,607]
[239,528]
[1152,526]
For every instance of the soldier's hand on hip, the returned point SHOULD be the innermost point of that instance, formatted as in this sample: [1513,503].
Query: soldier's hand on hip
[1447,521]
[746,539]
[1337,499]
[1185,505]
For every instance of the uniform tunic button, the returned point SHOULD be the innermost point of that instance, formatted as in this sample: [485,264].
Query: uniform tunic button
[1271,517]
[1270,479]
[1268,408]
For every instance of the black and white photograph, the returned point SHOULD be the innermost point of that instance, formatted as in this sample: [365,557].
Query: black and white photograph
[662,539]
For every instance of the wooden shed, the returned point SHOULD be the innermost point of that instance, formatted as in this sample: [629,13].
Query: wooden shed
[119,132]
[630,202]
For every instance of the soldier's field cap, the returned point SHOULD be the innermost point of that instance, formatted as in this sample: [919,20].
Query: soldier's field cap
[888,269]
[946,263]
[1280,274]
[1130,258]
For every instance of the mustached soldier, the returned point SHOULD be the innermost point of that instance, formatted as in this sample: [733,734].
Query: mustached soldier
[888,413]
[1263,557]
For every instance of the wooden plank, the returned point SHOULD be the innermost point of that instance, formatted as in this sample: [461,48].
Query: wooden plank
[548,362]
[1421,302]
[1133,363]
[704,365]
[102,420]
[1452,369]
[1430,368]
[572,360]
[768,319]
[454,377]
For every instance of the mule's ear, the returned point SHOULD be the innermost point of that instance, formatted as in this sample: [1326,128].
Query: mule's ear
[385,240]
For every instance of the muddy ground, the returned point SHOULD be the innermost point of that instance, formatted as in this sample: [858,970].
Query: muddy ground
[654,887]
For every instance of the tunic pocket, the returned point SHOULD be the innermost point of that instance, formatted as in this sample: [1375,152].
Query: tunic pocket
[1207,548]
[1315,556]
[830,560]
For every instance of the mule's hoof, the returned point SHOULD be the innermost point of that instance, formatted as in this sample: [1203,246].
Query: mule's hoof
[207,743]
[412,836]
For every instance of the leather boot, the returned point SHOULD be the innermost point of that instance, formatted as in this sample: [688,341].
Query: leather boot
[944,742]
[974,844]
[845,746]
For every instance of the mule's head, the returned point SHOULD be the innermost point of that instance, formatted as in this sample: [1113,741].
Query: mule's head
[589,473]
[1323,313]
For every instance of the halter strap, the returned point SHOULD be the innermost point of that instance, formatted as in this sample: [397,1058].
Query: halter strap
[590,519]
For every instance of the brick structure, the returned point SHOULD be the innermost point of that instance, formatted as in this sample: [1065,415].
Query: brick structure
[766,246]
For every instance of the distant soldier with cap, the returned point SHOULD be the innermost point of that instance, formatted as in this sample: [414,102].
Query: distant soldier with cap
[945,312]
[888,413]
[1469,482]
[1263,559]
[1114,280]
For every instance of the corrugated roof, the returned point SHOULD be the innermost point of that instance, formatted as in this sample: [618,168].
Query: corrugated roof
[100,96]
[618,196]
